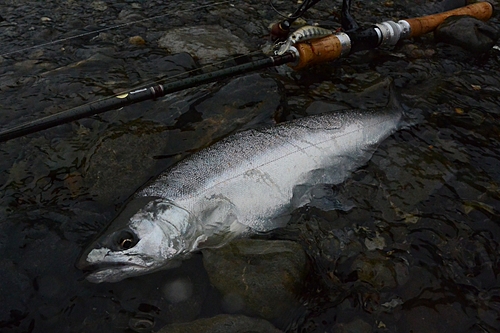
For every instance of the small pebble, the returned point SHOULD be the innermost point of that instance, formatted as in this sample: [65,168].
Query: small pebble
[137,40]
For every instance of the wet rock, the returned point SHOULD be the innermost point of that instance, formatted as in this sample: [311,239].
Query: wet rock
[414,51]
[355,326]
[330,241]
[14,282]
[36,272]
[111,155]
[222,324]
[26,65]
[401,174]
[318,107]
[207,43]
[376,270]
[421,8]
[258,277]
[447,317]
[468,32]
[129,16]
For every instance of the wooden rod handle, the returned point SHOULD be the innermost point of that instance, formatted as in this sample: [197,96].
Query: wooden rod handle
[425,24]
[318,51]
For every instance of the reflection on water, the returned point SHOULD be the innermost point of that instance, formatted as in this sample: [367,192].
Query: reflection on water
[418,250]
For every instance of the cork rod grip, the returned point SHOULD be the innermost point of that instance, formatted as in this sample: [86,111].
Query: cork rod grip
[425,24]
[318,51]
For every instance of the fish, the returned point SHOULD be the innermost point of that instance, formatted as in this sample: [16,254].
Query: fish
[302,34]
[242,185]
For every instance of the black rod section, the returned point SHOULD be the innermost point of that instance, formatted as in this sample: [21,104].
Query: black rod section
[362,40]
[140,95]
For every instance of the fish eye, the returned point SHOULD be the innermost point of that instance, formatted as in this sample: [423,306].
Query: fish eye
[126,243]
[126,240]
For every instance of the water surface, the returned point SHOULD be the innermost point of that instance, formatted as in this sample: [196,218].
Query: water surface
[419,252]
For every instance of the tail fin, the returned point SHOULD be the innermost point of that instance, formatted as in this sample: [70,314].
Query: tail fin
[409,116]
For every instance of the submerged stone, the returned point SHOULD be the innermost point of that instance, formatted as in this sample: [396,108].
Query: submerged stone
[355,326]
[207,43]
[258,277]
[467,32]
[222,324]
[448,317]
[15,281]
[376,270]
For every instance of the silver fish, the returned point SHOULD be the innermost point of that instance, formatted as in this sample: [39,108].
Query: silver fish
[307,32]
[240,186]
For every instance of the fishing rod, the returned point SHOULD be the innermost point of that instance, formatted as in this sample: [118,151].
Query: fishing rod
[312,47]
[387,33]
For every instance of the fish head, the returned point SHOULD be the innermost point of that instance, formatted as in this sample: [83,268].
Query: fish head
[149,234]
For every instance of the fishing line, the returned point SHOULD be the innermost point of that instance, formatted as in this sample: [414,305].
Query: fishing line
[298,13]
[166,80]
[278,12]
[112,27]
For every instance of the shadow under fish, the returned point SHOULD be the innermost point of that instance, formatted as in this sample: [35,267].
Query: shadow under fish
[245,184]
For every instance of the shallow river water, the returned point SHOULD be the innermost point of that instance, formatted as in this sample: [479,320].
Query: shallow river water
[419,251]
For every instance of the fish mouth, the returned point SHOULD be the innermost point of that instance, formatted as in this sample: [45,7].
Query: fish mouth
[108,259]
[111,271]
[105,265]
[89,268]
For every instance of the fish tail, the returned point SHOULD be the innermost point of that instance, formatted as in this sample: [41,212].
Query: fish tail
[285,47]
[410,116]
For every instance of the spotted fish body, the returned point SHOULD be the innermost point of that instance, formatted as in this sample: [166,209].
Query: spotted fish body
[302,34]
[242,185]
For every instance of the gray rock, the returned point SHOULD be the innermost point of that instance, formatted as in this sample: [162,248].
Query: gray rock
[222,324]
[467,32]
[258,277]
[207,43]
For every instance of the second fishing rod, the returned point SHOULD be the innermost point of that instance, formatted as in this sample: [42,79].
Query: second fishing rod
[305,47]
